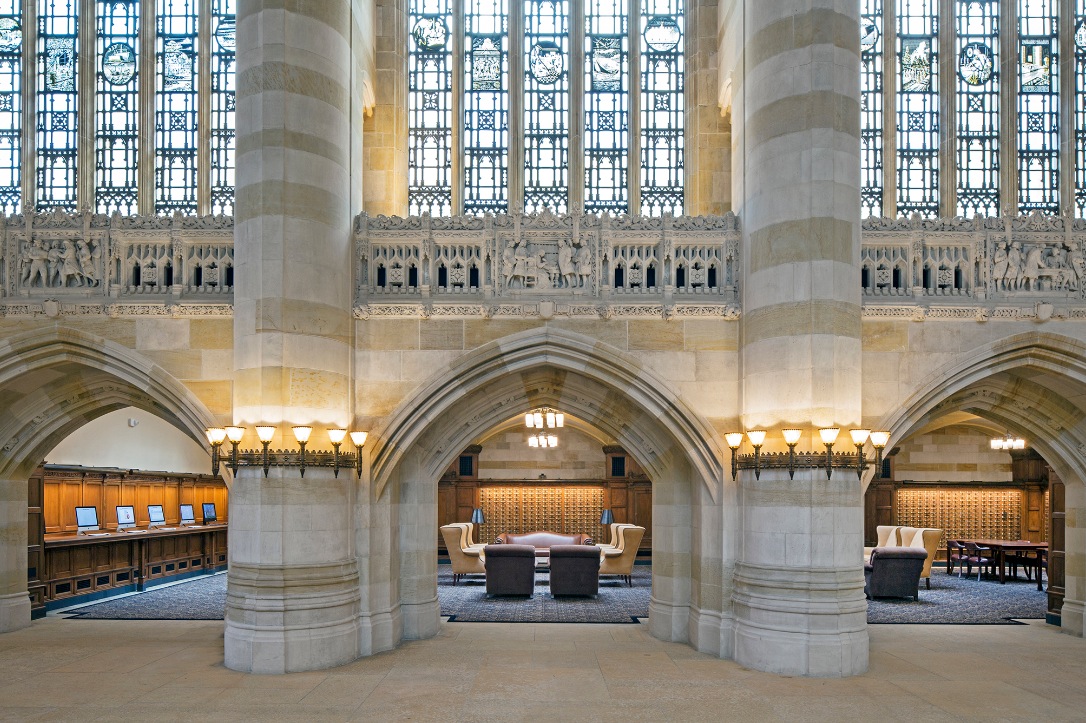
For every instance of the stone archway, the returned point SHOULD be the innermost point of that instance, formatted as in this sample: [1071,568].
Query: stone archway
[54,381]
[1032,384]
[694,506]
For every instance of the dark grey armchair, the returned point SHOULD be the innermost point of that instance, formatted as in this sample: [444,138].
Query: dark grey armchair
[894,572]
[575,570]
[510,569]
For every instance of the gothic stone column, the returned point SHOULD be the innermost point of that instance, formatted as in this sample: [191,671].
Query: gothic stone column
[799,599]
[293,593]
[14,603]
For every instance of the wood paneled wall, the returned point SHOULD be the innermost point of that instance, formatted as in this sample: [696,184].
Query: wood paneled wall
[68,487]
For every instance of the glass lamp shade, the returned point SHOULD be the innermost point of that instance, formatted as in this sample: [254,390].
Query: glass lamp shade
[756,437]
[559,419]
[1019,443]
[359,438]
[829,434]
[215,435]
[607,517]
[734,439]
[997,444]
[477,516]
[859,436]
[791,436]
[234,434]
[301,433]
[335,436]
[265,432]
[537,419]
[552,441]
[550,420]
[529,420]
[533,441]
[879,439]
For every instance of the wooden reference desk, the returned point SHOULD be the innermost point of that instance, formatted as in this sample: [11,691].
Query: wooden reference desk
[1000,548]
[85,564]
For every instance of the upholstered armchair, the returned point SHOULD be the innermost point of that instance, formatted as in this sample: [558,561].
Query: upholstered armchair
[894,572]
[471,543]
[575,570]
[612,544]
[620,561]
[465,561]
[510,569]
[887,537]
[926,539]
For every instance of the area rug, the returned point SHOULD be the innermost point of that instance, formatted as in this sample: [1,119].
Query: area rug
[466,602]
[202,598]
[962,601]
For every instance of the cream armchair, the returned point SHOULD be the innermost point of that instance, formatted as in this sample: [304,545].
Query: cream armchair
[465,560]
[471,543]
[613,543]
[620,560]
[923,538]
[887,536]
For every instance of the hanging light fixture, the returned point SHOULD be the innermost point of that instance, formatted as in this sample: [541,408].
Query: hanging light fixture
[542,440]
[544,418]
[1007,442]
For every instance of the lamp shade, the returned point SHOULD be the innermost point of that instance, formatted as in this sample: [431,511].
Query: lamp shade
[234,434]
[359,438]
[791,436]
[335,436]
[265,432]
[607,517]
[477,516]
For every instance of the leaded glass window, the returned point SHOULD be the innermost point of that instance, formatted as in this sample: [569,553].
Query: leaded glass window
[11,105]
[116,119]
[175,106]
[429,79]
[1038,106]
[223,62]
[606,106]
[534,105]
[663,111]
[57,119]
[1079,105]
[871,110]
[977,86]
[546,105]
[918,107]
[486,106]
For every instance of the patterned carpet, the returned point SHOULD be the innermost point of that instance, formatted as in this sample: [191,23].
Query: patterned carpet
[962,601]
[466,602]
[951,601]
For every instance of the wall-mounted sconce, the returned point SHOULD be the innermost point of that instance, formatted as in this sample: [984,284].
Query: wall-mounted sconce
[265,458]
[793,460]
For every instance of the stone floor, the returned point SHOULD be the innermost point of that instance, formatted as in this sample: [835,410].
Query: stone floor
[134,670]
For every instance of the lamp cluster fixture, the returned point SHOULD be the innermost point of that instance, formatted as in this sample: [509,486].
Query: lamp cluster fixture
[792,460]
[544,419]
[1007,442]
[284,458]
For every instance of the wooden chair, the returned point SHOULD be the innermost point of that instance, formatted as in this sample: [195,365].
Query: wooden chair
[976,555]
[955,556]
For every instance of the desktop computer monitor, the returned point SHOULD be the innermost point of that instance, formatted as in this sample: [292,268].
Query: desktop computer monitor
[126,517]
[86,519]
[155,516]
[209,512]
[187,515]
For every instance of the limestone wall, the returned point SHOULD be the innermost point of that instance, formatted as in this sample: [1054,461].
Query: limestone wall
[507,456]
[951,454]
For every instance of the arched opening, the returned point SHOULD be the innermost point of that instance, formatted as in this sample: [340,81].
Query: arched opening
[693,506]
[1034,386]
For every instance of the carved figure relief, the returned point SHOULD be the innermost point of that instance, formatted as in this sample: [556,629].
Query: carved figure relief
[60,264]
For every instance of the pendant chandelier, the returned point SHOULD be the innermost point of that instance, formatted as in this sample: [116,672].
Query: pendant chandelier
[1007,442]
[544,420]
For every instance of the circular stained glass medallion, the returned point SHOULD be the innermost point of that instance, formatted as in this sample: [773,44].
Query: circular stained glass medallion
[975,63]
[226,34]
[430,33]
[662,34]
[546,62]
[119,63]
[11,35]
[1080,34]
[869,34]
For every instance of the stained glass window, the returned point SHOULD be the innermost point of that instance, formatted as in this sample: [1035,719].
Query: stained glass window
[116,118]
[606,106]
[1080,109]
[977,85]
[429,107]
[871,111]
[662,107]
[58,104]
[11,105]
[486,106]
[546,105]
[1038,106]
[918,108]
[223,61]
[175,107]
